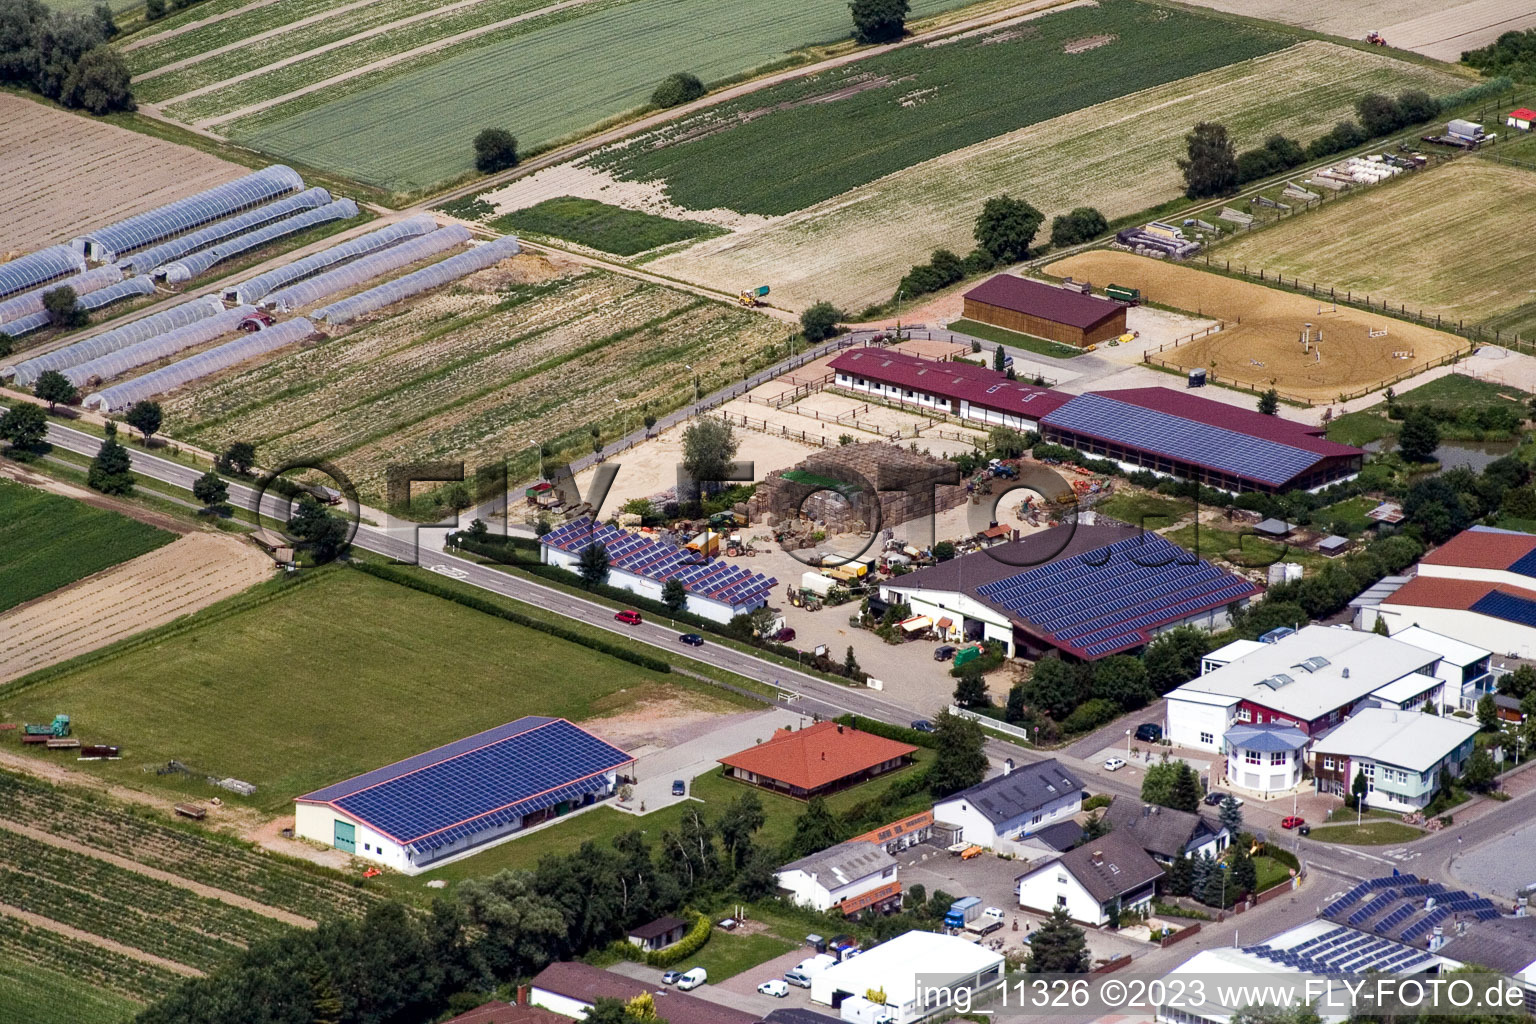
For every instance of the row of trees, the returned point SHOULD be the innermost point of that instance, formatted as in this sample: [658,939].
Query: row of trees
[64,56]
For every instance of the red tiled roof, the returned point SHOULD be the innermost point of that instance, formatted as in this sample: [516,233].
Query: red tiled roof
[1059,305]
[506,1013]
[585,983]
[885,833]
[818,755]
[1460,595]
[965,382]
[1482,549]
[1245,421]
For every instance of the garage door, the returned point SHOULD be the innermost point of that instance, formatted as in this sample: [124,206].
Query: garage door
[346,836]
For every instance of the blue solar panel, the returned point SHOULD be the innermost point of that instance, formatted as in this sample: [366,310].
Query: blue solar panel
[1228,451]
[1525,565]
[1507,607]
[497,777]
[643,556]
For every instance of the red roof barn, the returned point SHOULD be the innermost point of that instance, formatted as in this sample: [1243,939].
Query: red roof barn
[819,759]
[1046,311]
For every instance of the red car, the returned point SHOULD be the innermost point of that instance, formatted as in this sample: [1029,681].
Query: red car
[629,617]
[1292,822]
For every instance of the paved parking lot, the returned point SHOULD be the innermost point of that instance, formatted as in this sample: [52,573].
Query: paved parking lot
[744,985]
[655,771]
[1501,865]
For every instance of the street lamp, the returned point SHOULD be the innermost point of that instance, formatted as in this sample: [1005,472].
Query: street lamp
[1127,744]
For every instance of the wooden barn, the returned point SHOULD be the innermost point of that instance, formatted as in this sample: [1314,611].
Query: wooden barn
[1058,314]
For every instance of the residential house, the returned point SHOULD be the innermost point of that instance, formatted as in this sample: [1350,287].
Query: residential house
[1014,804]
[853,877]
[1401,754]
[819,759]
[1095,882]
[659,934]
[1165,833]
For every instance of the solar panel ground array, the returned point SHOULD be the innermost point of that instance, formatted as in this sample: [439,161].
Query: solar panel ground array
[716,580]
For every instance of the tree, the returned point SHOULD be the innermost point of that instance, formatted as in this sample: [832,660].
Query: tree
[1269,402]
[1419,438]
[1054,687]
[819,321]
[971,691]
[1122,679]
[154,10]
[1173,658]
[63,308]
[1358,788]
[317,531]
[53,387]
[960,761]
[1081,225]
[943,551]
[239,457]
[850,663]
[1218,888]
[1378,114]
[1171,784]
[1429,703]
[24,426]
[211,490]
[1480,771]
[1245,875]
[99,83]
[495,150]
[1520,683]
[1200,870]
[879,21]
[1380,629]
[144,416]
[1210,168]
[816,829]
[1006,228]
[676,89]
[1179,874]
[1302,1014]
[1487,713]
[674,594]
[1416,106]
[741,820]
[709,446]
[105,20]
[1058,947]
[999,359]
[110,471]
[592,565]
[64,38]
[1230,813]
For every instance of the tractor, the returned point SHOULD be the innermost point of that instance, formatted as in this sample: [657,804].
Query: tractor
[753,296]
[1375,39]
[58,729]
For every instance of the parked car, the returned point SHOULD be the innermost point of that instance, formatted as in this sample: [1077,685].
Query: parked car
[923,725]
[784,635]
[693,979]
[670,978]
[629,617]
[944,652]
[1149,732]
[679,787]
[692,639]
[795,976]
[1304,830]
[1114,764]
[1213,798]
[1291,821]
[776,987]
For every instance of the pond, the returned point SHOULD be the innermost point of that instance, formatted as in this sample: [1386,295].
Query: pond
[1474,455]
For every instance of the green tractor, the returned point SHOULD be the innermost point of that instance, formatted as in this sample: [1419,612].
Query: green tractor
[59,728]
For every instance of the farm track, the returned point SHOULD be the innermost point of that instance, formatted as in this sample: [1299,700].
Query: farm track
[208,891]
[193,25]
[239,44]
[59,928]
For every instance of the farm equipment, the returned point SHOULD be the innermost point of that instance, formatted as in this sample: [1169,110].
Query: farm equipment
[257,321]
[58,728]
[727,519]
[753,296]
[1124,293]
[192,811]
[1375,39]
[100,752]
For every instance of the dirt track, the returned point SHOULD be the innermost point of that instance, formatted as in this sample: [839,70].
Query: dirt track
[1265,348]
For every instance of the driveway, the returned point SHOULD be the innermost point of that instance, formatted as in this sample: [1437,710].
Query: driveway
[743,986]
[654,772]
[721,995]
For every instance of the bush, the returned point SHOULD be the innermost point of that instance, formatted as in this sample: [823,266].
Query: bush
[676,89]
[690,944]
[899,733]
[1090,714]
[1096,801]
[1081,225]
[495,150]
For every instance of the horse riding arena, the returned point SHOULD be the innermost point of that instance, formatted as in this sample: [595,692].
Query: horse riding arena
[1260,346]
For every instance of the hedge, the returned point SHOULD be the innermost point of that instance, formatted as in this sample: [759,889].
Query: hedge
[394,575]
[899,733]
[690,944]
[1285,857]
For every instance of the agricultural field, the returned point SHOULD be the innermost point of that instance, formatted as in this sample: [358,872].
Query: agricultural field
[64,173]
[347,96]
[1117,155]
[54,998]
[426,670]
[600,226]
[527,350]
[1265,348]
[1405,242]
[66,541]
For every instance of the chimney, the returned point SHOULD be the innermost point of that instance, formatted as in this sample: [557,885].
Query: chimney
[522,995]
[1008,766]
[839,729]
[1346,671]
[1146,810]
[1098,856]
[823,755]
[1156,809]
[1429,903]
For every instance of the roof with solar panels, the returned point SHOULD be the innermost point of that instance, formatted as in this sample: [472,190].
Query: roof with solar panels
[644,556]
[477,783]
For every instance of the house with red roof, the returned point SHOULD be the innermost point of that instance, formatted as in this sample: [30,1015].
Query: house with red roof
[955,388]
[819,759]
[1067,315]
[1521,118]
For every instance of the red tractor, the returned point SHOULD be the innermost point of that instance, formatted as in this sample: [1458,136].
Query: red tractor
[1375,39]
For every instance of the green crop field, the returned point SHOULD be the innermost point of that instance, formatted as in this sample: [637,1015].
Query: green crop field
[54,998]
[66,540]
[601,226]
[358,673]
[395,127]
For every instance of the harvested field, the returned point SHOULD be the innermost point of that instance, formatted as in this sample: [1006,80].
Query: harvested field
[1434,28]
[1117,156]
[1266,347]
[1358,244]
[64,172]
[194,572]
[474,371]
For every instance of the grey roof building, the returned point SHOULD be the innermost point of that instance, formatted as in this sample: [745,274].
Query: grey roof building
[1503,944]
[1019,802]
[1165,833]
[844,863]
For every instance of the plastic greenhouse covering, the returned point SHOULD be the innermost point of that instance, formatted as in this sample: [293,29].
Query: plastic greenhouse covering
[32,301]
[160,346]
[350,275]
[188,267]
[450,269]
[213,234]
[179,315]
[24,325]
[39,267]
[262,285]
[232,353]
[154,226]
[116,293]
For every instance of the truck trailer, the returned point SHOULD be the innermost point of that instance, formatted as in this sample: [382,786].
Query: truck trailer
[963,911]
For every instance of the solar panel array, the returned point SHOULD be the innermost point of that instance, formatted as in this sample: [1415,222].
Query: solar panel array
[485,787]
[1344,951]
[1162,433]
[1525,565]
[643,556]
[1111,598]
[1399,907]
[1507,607]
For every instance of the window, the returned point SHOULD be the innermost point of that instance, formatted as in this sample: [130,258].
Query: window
[1369,770]
[1327,762]
[1244,715]
[1252,757]
[1207,738]
[1061,901]
[1036,819]
[1277,757]
[1061,879]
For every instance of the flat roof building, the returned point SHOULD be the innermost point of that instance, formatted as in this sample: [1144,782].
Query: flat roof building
[893,968]
[1045,311]
[1400,753]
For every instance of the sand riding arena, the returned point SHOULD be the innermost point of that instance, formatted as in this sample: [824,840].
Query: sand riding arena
[1266,341]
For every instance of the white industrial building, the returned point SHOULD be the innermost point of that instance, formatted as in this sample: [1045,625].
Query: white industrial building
[1012,805]
[1096,881]
[909,970]
[1400,753]
[852,876]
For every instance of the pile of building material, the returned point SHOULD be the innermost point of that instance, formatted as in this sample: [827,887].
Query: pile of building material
[1295,191]
[1273,204]
[856,488]
[1236,216]
[1157,239]
[1355,171]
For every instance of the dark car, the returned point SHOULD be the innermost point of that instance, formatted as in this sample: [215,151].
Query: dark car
[692,639]
[1304,830]
[944,652]
[784,635]
[679,788]
[1213,798]
[923,725]
[1149,732]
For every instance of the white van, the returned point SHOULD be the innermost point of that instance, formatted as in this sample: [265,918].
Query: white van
[693,979]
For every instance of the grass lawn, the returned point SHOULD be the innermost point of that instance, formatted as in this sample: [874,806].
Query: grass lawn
[55,540]
[1003,336]
[304,682]
[1242,549]
[1270,871]
[1455,389]
[726,955]
[1360,428]
[1371,833]
[1350,513]
[601,226]
[52,998]
[1144,508]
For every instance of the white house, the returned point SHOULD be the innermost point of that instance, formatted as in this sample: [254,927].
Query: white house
[1014,804]
[894,968]
[1265,759]
[852,876]
[1400,753]
[971,392]
[1105,875]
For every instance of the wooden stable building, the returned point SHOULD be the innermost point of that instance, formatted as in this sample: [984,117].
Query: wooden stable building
[1045,311]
